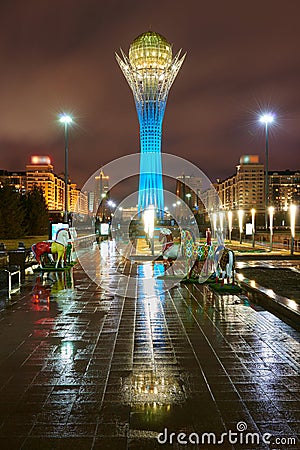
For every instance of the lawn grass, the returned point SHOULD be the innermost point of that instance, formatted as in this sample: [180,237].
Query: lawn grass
[52,268]
[282,280]
[226,288]
[12,244]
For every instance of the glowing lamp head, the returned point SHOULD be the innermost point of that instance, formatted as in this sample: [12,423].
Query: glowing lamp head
[65,119]
[266,118]
[150,50]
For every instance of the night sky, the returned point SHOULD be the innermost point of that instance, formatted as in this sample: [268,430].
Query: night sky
[242,57]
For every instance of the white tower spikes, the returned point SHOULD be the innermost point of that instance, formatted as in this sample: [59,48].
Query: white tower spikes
[134,79]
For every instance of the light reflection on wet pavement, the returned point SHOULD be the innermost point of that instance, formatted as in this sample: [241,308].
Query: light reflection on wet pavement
[84,369]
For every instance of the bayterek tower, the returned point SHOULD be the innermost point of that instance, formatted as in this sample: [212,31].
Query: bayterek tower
[150,71]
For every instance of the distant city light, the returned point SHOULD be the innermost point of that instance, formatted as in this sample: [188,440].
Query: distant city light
[40,160]
[249,159]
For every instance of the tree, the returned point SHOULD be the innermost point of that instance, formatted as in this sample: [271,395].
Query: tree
[36,216]
[2,227]
[12,213]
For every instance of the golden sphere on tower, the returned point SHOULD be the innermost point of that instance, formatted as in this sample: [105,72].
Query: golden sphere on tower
[150,50]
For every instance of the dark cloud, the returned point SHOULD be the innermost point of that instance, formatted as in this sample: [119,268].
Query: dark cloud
[241,56]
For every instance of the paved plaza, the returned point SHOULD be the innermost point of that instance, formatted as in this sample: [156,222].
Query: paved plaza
[82,368]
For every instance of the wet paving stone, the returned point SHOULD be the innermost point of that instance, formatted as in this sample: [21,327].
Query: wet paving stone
[107,443]
[98,371]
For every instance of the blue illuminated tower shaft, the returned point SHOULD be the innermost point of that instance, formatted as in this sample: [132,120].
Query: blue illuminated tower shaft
[151,182]
[150,71]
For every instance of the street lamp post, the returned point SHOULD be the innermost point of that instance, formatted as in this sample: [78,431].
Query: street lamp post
[240,216]
[149,220]
[66,120]
[178,208]
[229,215]
[293,210]
[253,226]
[266,119]
[271,213]
[188,196]
[221,222]
[111,205]
[214,224]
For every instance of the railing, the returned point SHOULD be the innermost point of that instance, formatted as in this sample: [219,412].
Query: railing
[84,242]
[279,245]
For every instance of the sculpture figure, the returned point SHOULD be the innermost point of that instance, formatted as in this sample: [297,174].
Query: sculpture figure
[170,249]
[58,247]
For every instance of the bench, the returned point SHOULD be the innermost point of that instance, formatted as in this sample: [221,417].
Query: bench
[10,279]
